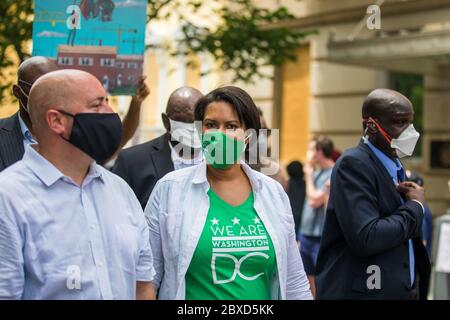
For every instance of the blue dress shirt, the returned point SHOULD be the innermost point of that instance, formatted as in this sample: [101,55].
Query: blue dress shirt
[59,240]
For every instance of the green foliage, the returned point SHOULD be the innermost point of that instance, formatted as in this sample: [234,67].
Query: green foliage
[238,42]
[15,32]
[412,87]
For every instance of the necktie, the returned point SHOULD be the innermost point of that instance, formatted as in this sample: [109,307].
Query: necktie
[401,178]
[400,175]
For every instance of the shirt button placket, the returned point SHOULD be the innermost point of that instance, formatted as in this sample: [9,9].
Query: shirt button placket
[97,247]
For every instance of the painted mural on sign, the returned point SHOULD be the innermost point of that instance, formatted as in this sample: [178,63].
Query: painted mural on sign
[103,37]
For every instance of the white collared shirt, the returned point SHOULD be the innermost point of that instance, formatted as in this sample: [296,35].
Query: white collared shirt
[177,210]
[59,240]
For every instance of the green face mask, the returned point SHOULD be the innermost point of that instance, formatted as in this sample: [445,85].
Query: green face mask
[220,150]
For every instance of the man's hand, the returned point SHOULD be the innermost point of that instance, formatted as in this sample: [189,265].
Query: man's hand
[131,121]
[412,191]
[309,156]
[142,92]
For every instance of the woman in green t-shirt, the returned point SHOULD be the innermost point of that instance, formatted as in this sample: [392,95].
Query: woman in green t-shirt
[220,230]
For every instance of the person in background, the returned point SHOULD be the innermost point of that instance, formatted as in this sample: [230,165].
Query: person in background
[220,230]
[141,166]
[16,131]
[317,172]
[427,225]
[71,229]
[335,155]
[296,191]
[265,163]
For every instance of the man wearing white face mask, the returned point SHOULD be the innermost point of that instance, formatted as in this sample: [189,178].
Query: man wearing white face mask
[15,131]
[371,246]
[185,144]
[143,165]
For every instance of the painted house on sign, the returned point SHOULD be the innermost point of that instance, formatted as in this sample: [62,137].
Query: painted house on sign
[128,69]
[117,73]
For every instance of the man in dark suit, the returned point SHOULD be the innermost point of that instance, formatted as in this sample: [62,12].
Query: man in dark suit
[371,246]
[15,130]
[143,165]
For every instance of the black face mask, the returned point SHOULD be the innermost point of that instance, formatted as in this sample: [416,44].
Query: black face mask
[96,134]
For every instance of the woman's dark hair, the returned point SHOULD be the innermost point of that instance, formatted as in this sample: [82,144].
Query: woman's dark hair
[295,170]
[238,99]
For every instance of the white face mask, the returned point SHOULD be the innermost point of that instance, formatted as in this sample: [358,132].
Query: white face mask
[404,145]
[23,92]
[185,133]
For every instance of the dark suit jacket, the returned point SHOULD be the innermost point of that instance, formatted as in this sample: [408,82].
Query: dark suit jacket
[367,224]
[11,141]
[143,165]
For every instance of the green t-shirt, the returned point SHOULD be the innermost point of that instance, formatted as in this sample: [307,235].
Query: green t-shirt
[234,258]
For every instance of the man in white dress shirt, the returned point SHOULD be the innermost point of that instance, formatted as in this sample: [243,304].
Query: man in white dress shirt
[70,229]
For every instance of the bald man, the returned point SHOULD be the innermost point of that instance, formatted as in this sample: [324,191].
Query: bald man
[70,229]
[371,245]
[143,165]
[15,131]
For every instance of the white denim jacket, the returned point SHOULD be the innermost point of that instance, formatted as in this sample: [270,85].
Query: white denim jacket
[176,213]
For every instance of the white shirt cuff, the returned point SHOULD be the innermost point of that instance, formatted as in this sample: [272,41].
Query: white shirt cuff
[423,208]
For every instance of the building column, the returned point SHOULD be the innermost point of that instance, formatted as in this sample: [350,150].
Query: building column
[436,128]
[294,112]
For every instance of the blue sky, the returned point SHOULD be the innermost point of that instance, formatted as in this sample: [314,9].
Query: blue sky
[127,15]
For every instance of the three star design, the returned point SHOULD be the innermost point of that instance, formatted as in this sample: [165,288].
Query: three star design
[215,221]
